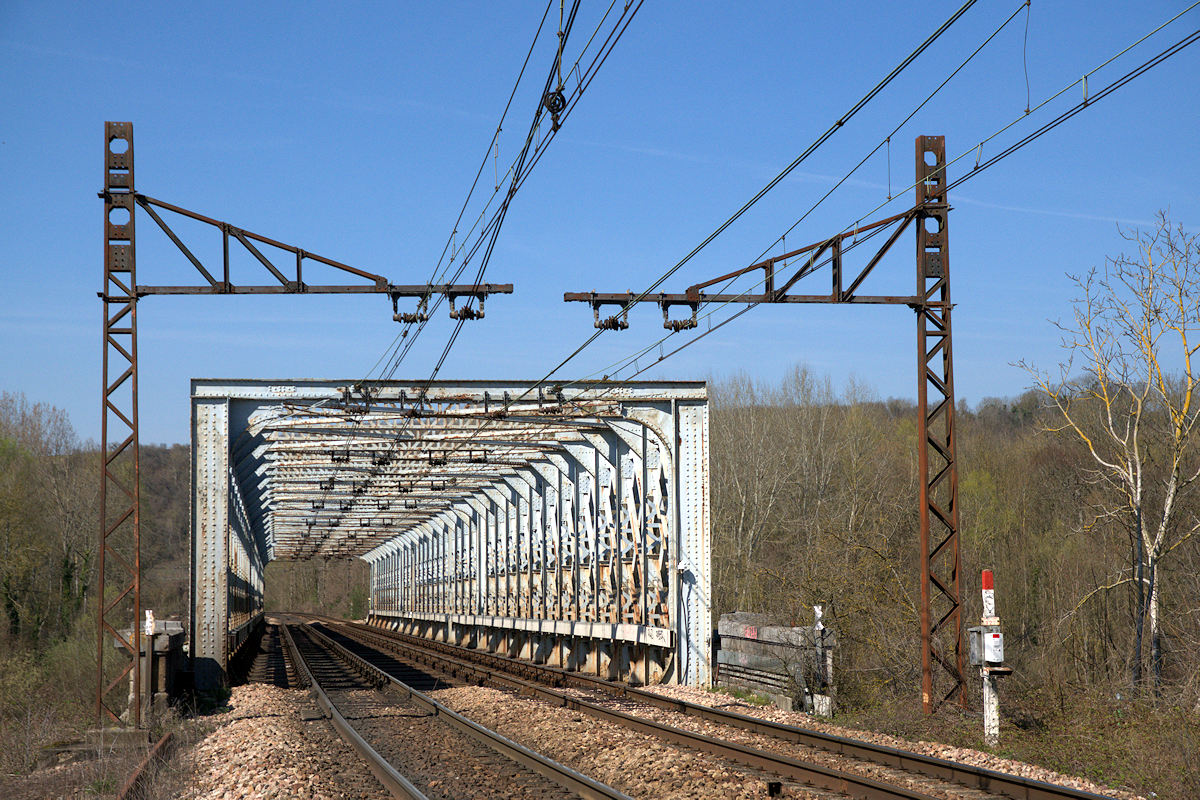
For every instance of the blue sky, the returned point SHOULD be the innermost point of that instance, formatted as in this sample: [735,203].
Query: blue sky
[354,130]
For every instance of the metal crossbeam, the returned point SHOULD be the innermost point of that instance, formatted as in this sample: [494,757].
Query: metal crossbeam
[941,620]
[777,279]
[287,284]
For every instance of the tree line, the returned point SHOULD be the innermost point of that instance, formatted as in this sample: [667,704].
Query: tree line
[815,502]
[49,490]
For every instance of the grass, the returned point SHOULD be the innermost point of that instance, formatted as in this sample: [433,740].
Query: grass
[46,699]
[102,786]
[745,696]
[1138,745]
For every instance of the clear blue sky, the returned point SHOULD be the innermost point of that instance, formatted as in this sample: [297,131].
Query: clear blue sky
[354,129]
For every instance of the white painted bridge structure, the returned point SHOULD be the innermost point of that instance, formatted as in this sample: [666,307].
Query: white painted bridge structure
[563,524]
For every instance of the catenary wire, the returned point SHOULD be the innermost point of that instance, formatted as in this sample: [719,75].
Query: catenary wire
[1065,116]
[808,151]
[585,78]
[391,348]
[474,183]
[1123,80]
[618,28]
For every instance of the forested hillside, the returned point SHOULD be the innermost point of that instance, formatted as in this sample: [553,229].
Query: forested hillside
[49,486]
[815,501]
[1083,495]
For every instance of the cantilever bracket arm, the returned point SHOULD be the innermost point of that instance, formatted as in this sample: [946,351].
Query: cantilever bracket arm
[826,251]
[291,283]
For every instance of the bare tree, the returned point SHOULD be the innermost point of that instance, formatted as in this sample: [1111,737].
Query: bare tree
[1135,331]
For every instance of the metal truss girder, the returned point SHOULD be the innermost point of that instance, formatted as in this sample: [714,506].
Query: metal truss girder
[581,529]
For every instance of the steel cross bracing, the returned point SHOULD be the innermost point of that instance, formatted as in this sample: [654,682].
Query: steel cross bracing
[119,593]
[574,522]
[380,470]
[941,598]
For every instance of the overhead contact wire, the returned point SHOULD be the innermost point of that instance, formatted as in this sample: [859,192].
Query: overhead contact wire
[483,164]
[862,102]
[586,76]
[519,175]
[1029,138]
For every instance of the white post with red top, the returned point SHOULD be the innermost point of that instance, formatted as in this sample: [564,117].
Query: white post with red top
[989,600]
[987,653]
[991,698]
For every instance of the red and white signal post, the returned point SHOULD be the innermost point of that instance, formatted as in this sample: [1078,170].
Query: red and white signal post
[987,653]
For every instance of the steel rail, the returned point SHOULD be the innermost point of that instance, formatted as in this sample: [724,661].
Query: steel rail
[135,784]
[1014,786]
[392,780]
[855,786]
[548,768]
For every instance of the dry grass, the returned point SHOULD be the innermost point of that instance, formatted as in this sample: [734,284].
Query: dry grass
[46,702]
[1135,744]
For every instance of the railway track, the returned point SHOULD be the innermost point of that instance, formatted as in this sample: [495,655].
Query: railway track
[272,662]
[415,746]
[847,766]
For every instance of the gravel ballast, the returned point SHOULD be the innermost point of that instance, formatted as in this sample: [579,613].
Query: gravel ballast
[272,744]
[264,747]
[950,753]
[640,765]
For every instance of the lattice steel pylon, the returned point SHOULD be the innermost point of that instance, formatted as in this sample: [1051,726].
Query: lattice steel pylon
[940,611]
[120,523]
[941,599]
[119,599]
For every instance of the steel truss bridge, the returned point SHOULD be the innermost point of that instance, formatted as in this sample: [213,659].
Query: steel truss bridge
[567,525]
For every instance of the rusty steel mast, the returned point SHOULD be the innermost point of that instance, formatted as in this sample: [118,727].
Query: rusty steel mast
[120,499]
[941,597]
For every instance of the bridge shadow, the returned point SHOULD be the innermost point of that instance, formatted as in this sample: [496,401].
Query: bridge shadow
[419,678]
